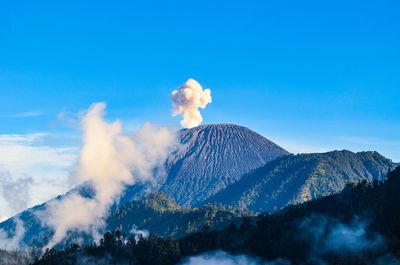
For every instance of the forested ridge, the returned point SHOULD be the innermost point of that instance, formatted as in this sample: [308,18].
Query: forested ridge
[361,225]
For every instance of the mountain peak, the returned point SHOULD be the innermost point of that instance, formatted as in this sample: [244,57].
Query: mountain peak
[217,126]
[214,156]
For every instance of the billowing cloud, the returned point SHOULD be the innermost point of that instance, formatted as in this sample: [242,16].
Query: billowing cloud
[187,100]
[109,160]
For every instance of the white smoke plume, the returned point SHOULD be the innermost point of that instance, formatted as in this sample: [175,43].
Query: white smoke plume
[187,100]
[109,160]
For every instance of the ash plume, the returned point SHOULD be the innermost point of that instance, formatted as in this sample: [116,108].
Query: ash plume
[187,100]
[109,160]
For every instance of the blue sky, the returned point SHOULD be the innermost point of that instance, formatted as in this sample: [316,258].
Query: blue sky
[309,75]
[324,75]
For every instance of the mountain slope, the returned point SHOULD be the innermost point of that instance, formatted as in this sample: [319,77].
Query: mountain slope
[155,213]
[213,157]
[163,217]
[298,178]
[356,226]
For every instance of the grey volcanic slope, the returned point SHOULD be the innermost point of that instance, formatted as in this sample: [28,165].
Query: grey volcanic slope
[213,157]
[298,178]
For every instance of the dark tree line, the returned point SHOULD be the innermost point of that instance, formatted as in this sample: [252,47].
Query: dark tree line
[269,236]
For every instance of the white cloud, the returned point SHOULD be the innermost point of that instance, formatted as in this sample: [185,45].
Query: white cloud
[10,139]
[26,114]
[68,118]
[15,193]
[25,156]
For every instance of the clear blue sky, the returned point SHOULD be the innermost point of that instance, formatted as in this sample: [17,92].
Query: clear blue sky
[310,75]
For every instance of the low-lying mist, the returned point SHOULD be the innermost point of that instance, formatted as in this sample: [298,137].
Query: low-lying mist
[223,258]
[329,241]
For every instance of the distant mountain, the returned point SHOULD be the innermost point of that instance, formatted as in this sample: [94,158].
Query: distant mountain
[295,179]
[213,157]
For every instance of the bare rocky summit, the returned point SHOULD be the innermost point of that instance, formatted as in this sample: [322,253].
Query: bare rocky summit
[212,158]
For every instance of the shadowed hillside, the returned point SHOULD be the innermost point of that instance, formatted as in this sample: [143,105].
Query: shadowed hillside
[358,226]
[295,179]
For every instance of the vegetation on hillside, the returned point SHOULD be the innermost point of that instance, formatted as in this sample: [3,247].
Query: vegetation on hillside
[361,225]
[295,179]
